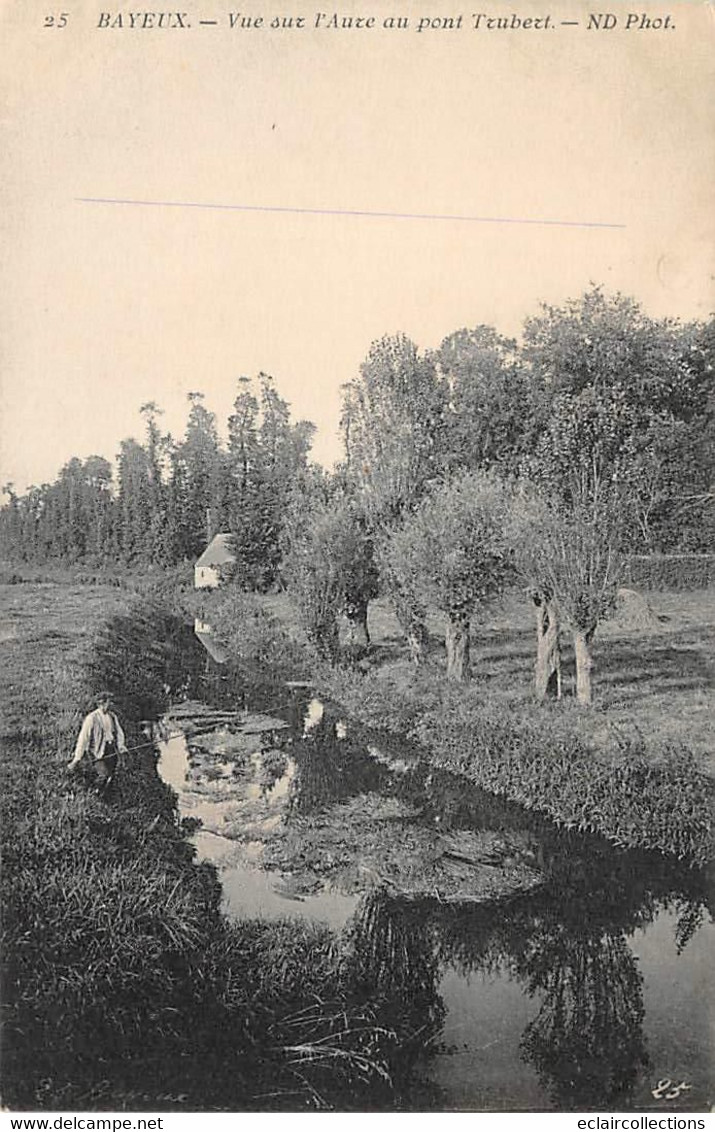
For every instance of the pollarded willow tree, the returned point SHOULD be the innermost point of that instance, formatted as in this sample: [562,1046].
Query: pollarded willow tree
[329,567]
[411,420]
[612,391]
[529,517]
[454,552]
[572,558]
[393,425]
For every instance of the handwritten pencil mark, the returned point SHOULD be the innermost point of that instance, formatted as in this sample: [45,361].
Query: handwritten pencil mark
[360,213]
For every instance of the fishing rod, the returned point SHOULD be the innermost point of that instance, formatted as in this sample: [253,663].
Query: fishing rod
[151,743]
[169,735]
[164,738]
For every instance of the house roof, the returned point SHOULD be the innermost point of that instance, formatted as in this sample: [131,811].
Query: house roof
[218,552]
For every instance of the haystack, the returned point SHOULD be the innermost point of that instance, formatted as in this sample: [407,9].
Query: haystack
[633,611]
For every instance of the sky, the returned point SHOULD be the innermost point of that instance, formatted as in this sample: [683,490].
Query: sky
[509,168]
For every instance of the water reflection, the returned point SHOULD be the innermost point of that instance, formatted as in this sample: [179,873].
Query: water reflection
[587,1040]
[569,946]
[396,968]
[207,637]
[462,912]
[333,765]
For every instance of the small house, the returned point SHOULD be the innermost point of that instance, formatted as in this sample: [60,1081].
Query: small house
[211,568]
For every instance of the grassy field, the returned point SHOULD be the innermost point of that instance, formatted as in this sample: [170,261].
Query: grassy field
[654,676]
[655,679]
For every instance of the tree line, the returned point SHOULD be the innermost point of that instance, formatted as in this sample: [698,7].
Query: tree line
[478,465]
[170,495]
[486,464]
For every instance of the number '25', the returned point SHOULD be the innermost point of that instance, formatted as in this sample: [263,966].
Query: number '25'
[56,21]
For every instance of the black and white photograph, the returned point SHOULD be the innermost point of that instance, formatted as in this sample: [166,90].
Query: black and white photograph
[357,563]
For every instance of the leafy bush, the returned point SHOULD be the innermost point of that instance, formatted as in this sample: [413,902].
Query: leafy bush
[253,636]
[453,553]
[330,569]
[163,582]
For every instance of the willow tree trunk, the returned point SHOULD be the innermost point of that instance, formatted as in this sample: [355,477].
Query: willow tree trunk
[457,642]
[584,665]
[358,635]
[326,638]
[416,642]
[412,625]
[547,670]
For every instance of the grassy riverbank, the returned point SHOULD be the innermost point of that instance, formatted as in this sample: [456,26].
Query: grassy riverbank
[637,768]
[123,986]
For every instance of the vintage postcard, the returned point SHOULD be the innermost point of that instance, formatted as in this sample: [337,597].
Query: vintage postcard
[357,558]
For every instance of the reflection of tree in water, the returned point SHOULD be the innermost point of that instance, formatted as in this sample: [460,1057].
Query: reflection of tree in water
[457,804]
[567,942]
[691,914]
[393,961]
[236,683]
[332,769]
[587,1040]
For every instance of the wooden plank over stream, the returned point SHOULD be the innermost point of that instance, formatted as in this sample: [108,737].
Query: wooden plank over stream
[254,723]
[247,723]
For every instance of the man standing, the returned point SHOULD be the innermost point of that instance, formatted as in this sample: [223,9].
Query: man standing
[102,738]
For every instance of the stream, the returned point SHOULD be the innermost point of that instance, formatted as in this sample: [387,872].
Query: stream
[553,971]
